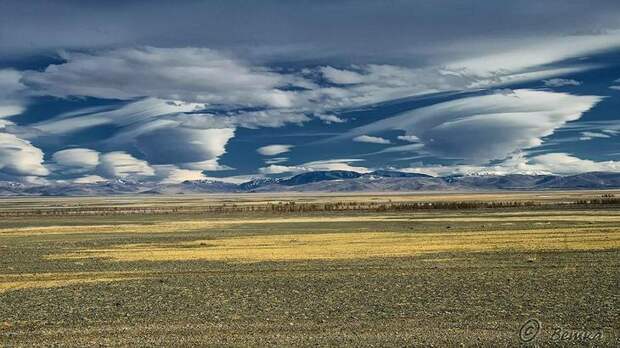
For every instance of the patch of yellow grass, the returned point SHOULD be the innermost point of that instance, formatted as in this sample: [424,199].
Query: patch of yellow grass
[53,280]
[334,246]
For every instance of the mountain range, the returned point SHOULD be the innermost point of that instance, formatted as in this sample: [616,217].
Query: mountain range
[326,181]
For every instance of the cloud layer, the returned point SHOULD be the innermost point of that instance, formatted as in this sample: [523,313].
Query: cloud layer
[189,74]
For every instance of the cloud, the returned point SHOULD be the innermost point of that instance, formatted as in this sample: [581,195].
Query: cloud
[375,83]
[561,82]
[166,132]
[134,113]
[483,128]
[550,163]
[11,103]
[344,29]
[607,126]
[169,174]
[236,179]
[278,169]
[272,150]
[174,145]
[409,138]
[120,164]
[329,119]
[343,77]
[197,75]
[591,135]
[263,118]
[371,139]
[5,123]
[378,83]
[563,163]
[208,165]
[416,148]
[20,157]
[10,82]
[326,165]
[17,156]
[534,52]
[276,160]
[79,157]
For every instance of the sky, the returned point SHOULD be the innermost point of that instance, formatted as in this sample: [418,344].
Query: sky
[232,90]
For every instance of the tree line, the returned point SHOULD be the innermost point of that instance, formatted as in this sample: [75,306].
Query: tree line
[306,207]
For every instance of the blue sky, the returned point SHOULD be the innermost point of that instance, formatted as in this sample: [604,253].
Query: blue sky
[151,90]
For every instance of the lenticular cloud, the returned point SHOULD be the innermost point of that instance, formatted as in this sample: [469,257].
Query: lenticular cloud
[488,127]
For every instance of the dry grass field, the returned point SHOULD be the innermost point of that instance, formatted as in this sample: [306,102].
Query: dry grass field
[243,271]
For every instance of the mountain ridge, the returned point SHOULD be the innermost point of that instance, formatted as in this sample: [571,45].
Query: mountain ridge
[326,181]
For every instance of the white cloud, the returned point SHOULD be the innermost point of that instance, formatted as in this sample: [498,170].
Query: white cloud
[191,74]
[5,123]
[343,77]
[550,163]
[120,164]
[79,157]
[483,128]
[11,103]
[326,165]
[265,118]
[272,150]
[590,135]
[278,169]
[208,165]
[169,174]
[7,110]
[20,157]
[10,82]
[328,119]
[371,139]
[376,83]
[533,52]
[236,179]
[276,160]
[562,163]
[409,138]
[336,164]
[134,113]
[561,82]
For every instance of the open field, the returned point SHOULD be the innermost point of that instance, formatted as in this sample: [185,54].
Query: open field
[243,271]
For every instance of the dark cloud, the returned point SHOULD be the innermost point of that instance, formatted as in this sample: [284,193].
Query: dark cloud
[300,29]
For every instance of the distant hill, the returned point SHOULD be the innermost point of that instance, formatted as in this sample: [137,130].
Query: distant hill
[327,181]
[394,174]
[310,177]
